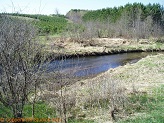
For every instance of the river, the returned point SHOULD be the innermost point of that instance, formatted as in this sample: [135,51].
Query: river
[92,65]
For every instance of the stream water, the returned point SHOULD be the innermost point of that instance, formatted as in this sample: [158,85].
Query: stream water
[91,65]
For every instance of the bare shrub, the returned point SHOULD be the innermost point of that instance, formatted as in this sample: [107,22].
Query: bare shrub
[20,60]
[55,90]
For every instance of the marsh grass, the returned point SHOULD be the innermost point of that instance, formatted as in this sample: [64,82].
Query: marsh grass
[146,108]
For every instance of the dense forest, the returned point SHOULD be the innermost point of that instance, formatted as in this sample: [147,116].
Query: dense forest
[53,24]
[134,11]
[131,20]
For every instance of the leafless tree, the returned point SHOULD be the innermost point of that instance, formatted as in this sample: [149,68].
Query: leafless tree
[57,12]
[56,91]
[21,59]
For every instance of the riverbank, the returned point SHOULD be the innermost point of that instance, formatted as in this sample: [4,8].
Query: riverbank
[95,98]
[68,47]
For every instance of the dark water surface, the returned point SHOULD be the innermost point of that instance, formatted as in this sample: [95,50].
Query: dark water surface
[91,65]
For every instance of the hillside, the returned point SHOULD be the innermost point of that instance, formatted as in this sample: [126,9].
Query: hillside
[76,15]
[45,24]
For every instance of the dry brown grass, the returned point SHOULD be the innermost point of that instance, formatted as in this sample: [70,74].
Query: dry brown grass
[96,46]
[97,97]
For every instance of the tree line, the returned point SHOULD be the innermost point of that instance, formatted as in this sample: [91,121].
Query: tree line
[115,14]
[46,24]
[131,20]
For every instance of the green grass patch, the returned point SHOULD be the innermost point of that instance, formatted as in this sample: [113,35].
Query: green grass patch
[150,107]
[5,111]
[42,111]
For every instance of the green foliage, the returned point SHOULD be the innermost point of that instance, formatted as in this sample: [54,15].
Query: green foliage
[132,10]
[72,27]
[46,24]
[130,21]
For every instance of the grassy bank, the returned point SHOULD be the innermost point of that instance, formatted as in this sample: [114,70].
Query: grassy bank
[99,46]
[125,91]
[147,108]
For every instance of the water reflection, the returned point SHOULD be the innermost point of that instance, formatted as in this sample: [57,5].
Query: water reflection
[91,65]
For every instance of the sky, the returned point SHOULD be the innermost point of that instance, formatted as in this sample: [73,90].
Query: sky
[63,6]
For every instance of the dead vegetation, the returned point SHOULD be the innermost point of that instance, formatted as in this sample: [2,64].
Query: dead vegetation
[77,46]
[105,97]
